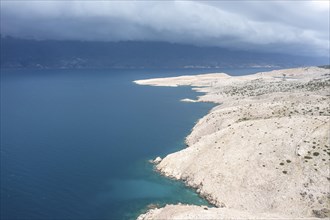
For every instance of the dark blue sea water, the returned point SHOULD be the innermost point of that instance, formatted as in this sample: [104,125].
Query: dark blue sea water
[75,143]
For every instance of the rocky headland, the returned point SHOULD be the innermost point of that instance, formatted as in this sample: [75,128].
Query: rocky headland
[263,152]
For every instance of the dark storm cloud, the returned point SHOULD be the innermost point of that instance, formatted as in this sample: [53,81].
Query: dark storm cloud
[300,27]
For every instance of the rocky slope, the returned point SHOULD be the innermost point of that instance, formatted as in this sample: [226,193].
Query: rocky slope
[263,153]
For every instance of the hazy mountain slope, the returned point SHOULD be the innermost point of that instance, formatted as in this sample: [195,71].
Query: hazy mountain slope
[20,53]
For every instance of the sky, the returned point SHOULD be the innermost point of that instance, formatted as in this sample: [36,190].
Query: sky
[285,26]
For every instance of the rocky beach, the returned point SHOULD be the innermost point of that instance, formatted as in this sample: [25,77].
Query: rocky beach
[263,152]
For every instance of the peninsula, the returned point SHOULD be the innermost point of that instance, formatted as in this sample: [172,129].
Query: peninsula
[262,152]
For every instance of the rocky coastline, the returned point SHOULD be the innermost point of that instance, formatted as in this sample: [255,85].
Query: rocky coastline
[263,152]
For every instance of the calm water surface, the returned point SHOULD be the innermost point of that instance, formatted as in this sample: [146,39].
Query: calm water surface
[75,143]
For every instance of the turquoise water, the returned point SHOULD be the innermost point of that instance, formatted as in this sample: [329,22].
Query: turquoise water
[75,143]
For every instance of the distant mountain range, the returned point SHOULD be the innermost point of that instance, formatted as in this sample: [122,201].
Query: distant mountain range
[22,53]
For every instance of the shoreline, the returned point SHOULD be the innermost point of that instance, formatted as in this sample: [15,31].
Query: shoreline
[254,155]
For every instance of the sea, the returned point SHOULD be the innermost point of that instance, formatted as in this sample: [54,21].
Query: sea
[75,144]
